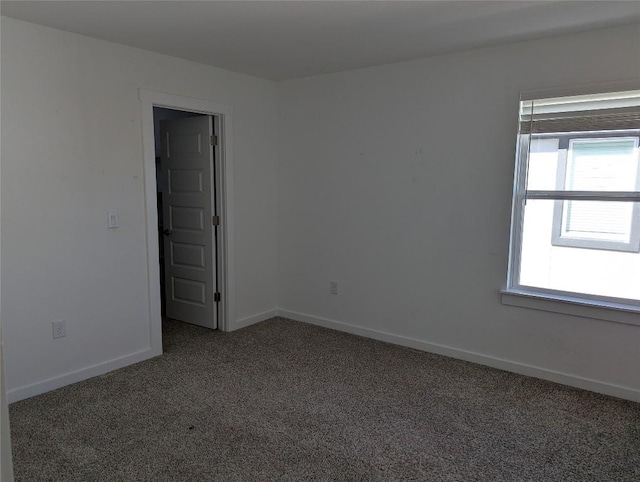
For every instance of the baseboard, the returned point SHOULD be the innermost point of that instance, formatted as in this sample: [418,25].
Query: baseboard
[597,386]
[252,320]
[26,391]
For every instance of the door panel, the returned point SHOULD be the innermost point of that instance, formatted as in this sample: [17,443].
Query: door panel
[189,242]
[186,181]
[186,219]
[187,255]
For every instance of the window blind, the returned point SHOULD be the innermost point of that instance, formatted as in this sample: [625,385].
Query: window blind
[598,112]
[594,219]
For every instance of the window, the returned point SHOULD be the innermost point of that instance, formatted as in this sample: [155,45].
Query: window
[597,164]
[576,204]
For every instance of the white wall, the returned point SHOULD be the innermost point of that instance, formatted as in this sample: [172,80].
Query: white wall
[396,182]
[6,461]
[71,150]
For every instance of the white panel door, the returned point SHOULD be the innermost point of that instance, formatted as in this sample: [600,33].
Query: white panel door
[189,258]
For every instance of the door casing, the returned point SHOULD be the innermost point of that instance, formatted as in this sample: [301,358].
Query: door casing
[223,128]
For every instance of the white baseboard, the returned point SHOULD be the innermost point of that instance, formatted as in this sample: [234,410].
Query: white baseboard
[252,320]
[31,390]
[53,383]
[26,391]
[627,393]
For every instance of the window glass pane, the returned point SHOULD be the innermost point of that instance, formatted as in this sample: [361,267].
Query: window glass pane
[573,162]
[601,165]
[543,163]
[598,271]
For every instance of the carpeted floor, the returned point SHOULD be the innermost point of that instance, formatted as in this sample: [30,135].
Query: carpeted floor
[283,400]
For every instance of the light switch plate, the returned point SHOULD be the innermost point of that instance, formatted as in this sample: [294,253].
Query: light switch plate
[112,219]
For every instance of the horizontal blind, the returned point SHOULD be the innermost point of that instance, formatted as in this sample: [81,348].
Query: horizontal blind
[615,111]
[592,218]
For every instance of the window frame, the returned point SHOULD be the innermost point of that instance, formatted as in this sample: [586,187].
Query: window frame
[558,238]
[549,299]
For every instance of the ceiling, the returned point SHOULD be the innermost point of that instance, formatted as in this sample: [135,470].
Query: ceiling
[288,39]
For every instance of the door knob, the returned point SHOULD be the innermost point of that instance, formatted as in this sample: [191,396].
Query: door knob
[167,232]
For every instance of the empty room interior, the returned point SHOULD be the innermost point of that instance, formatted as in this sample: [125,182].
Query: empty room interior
[320,240]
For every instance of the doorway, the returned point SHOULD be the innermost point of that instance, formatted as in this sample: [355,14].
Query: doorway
[222,247]
[188,218]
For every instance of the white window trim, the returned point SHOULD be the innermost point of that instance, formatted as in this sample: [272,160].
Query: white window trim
[574,305]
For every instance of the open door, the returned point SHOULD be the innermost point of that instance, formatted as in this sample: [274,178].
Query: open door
[189,218]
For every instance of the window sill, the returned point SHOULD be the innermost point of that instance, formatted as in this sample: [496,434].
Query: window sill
[598,310]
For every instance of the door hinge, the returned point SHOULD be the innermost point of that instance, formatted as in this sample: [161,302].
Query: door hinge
[214,140]
[216,297]
[215,220]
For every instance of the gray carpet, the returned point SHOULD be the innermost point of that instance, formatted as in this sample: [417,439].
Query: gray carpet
[283,400]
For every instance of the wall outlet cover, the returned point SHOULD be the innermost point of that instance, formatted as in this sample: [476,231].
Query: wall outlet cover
[333,287]
[59,329]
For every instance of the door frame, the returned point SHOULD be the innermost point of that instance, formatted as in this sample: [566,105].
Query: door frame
[223,154]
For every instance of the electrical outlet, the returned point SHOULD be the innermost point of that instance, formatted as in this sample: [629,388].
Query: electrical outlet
[333,287]
[59,329]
